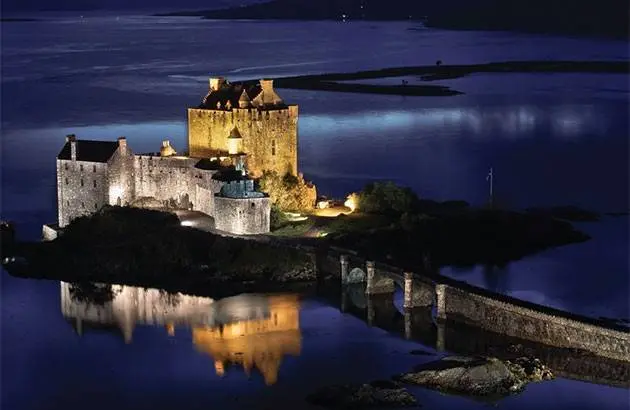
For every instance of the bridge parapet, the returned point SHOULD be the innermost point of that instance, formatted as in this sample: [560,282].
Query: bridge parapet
[529,321]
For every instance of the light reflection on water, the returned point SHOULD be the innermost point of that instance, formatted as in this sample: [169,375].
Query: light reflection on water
[252,331]
[52,367]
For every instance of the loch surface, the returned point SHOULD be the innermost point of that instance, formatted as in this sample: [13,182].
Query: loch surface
[142,358]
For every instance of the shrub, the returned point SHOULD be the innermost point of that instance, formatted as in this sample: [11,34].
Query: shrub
[386,198]
[288,192]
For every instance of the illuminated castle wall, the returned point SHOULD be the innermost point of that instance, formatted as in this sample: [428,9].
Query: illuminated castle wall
[248,119]
[92,174]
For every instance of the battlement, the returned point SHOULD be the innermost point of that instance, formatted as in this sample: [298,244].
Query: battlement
[225,96]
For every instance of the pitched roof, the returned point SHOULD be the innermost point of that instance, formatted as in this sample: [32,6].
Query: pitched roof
[90,151]
[230,92]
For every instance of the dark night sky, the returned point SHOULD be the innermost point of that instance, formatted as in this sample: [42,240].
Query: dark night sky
[11,5]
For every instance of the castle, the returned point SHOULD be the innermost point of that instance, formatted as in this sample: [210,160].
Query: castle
[238,132]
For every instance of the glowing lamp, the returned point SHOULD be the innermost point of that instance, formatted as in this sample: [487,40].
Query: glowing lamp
[351,202]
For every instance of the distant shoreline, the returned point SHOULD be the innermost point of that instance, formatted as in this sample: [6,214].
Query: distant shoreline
[333,81]
[274,11]
[16,20]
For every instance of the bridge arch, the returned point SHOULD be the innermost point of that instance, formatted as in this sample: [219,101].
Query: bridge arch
[382,279]
[356,275]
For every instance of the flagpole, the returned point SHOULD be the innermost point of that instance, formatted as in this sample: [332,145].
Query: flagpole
[490,178]
[491,184]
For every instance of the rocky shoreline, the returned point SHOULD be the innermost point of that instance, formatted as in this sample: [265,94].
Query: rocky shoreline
[150,248]
[472,376]
[476,377]
[335,81]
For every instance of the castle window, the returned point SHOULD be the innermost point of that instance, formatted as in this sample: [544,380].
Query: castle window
[93,168]
[94,183]
[81,181]
[66,181]
[82,204]
[81,167]
[66,166]
[253,205]
[95,207]
[273,147]
[67,203]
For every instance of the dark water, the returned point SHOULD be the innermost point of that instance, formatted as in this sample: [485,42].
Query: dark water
[47,364]
[552,139]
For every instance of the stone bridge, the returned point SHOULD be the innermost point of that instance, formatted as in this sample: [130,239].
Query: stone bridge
[459,302]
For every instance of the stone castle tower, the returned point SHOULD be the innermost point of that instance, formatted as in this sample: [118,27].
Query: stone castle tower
[245,119]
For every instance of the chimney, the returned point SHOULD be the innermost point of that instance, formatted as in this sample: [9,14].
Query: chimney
[122,145]
[166,150]
[216,83]
[72,139]
[266,85]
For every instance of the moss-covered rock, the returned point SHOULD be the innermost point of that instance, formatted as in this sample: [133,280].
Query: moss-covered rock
[489,377]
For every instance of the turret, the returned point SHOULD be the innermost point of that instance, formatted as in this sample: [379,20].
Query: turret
[235,142]
[244,101]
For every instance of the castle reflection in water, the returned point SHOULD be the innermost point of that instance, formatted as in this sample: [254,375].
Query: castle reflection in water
[252,331]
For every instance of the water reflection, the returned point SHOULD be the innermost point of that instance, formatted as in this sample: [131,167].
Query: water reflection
[258,343]
[253,331]
[567,121]
[455,336]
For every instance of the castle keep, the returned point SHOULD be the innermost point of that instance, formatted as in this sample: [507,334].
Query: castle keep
[239,130]
[248,119]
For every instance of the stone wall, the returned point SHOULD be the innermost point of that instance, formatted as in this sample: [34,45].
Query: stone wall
[81,189]
[120,180]
[529,321]
[269,136]
[176,182]
[242,216]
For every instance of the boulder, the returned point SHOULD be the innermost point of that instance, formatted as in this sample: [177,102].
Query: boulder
[376,394]
[478,376]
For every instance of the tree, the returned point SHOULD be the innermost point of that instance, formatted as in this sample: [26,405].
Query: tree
[288,192]
[386,198]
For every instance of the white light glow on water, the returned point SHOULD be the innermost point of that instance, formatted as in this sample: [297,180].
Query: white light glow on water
[511,121]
